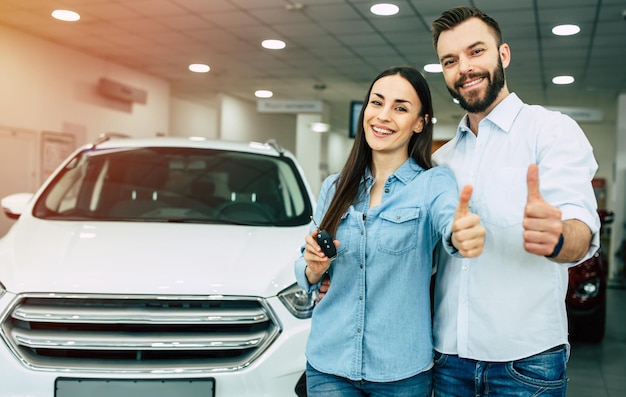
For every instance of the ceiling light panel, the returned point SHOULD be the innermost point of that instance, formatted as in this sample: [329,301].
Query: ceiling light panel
[273,44]
[563,80]
[384,9]
[565,30]
[65,15]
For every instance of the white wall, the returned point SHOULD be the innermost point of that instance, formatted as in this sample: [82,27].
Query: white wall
[338,149]
[444,132]
[189,119]
[49,87]
[619,196]
[602,137]
[240,121]
[309,149]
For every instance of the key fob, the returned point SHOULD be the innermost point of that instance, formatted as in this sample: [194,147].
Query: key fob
[325,242]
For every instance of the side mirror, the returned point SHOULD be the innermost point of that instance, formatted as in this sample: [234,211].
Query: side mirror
[14,204]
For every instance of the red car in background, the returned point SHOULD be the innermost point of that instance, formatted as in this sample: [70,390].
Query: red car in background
[586,293]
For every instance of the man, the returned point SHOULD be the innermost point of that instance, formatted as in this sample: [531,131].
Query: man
[500,324]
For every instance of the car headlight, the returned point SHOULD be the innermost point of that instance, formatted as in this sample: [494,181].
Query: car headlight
[299,302]
[588,289]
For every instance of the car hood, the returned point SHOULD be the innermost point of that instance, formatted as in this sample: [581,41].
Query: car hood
[148,258]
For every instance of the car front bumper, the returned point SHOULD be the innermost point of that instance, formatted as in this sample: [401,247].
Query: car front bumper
[274,373]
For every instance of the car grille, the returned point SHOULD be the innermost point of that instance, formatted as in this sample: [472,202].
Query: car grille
[139,334]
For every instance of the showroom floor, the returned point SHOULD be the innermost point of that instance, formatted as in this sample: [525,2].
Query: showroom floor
[600,370]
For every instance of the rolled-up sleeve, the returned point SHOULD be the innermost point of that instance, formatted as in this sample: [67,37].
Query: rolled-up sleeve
[566,168]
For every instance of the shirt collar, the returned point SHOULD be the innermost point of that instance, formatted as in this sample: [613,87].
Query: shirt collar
[405,173]
[503,115]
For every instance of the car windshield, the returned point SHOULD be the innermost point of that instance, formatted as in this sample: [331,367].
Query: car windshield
[171,184]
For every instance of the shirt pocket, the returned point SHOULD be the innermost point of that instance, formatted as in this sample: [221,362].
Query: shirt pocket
[398,230]
[503,203]
[344,233]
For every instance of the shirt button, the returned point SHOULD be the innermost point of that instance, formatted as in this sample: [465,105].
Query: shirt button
[387,190]
[358,330]
[464,267]
[463,300]
[361,266]
[361,297]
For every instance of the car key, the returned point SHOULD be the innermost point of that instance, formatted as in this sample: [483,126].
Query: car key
[325,242]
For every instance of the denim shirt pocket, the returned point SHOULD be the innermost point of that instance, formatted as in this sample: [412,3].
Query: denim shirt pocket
[398,230]
[343,233]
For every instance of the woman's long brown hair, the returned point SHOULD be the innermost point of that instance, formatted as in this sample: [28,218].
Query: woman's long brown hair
[419,148]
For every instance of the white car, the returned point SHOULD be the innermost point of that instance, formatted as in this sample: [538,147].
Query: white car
[157,267]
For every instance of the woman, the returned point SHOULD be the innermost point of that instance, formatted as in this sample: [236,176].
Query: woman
[387,208]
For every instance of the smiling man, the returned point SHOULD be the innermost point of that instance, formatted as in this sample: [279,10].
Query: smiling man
[500,325]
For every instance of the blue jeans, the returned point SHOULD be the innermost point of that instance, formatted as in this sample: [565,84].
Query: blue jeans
[319,384]
[543,375]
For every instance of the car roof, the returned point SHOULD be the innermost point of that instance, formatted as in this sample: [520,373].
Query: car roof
[269,148]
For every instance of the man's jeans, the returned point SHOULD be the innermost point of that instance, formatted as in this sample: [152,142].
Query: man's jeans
[543,375]
[325,385]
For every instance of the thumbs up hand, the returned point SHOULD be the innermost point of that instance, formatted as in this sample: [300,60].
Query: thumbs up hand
[468,235]
[542,221]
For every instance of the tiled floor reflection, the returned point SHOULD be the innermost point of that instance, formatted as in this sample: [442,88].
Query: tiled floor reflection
[600,370]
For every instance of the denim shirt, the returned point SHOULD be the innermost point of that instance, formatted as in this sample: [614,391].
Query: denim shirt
[374,323]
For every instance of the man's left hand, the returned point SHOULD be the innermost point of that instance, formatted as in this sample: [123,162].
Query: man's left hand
[542,221]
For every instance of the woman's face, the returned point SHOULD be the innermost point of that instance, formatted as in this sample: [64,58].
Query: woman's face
[392,115]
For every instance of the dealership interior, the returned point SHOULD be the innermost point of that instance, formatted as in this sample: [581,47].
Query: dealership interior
[296,72]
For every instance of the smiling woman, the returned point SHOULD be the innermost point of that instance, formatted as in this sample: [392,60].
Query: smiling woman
[409,206]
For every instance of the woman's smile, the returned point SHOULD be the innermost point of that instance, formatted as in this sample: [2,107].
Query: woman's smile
[382,130]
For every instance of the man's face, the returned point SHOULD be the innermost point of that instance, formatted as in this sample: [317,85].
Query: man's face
[472,65]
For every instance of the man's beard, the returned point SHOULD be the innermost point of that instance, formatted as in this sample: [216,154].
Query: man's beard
[475,104]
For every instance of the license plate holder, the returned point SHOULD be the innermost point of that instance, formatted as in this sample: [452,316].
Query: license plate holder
[80,387]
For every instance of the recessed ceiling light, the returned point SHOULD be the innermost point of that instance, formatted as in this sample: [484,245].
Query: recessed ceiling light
[199,68]
[563,80]
[320,127]
[384,9]
[263,94]
[565,30]
[273,44]
[65,15]
[433,68]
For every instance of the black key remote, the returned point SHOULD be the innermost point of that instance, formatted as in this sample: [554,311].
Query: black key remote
[325,242]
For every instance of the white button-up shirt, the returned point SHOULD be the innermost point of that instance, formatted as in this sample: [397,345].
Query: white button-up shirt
[508,304]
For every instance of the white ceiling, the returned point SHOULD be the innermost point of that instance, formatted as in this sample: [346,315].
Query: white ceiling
[338,44]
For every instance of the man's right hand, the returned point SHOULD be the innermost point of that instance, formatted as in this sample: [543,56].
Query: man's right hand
[323,287]
[468,234]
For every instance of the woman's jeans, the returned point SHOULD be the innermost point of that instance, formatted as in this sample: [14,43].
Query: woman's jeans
[543,375]
[324,385]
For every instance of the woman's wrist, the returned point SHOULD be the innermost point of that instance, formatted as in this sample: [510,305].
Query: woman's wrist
[311,276]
